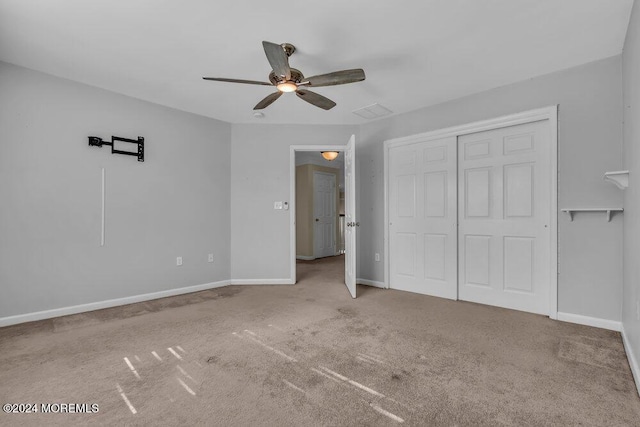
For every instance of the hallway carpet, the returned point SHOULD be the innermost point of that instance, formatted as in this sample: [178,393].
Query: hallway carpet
[309,354]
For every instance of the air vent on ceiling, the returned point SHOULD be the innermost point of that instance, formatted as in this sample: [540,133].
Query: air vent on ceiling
[372,111]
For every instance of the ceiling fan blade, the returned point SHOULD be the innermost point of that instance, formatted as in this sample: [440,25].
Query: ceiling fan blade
[315,99]
[278,59]
[248,82]
[268,100]
[337,78]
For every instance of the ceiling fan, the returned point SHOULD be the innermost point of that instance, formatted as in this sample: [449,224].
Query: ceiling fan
[287,79]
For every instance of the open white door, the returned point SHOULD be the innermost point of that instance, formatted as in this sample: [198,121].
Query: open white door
[350,216]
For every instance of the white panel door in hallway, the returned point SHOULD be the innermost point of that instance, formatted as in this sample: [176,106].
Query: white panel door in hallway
[504,196]
[325,214]
[422,218]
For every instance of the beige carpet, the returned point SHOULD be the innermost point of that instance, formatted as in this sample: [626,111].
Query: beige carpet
[310,355]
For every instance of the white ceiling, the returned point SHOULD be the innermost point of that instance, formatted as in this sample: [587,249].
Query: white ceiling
[415,53]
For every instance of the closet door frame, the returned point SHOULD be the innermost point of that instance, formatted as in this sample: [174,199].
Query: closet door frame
[548,113]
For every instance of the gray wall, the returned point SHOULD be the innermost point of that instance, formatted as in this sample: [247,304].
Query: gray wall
[631,294]
[205,181]
[589,144]
[176,203]
[259,177]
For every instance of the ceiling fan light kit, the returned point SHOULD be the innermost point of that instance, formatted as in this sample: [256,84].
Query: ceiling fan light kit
[287,87]
[287,79]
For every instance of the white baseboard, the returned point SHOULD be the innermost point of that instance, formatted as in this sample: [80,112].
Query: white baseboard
[370,283]
[612,325]
[65,311]
[633,362]
[305,258]
[262,282]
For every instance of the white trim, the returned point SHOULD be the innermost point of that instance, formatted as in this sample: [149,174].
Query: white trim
[292,196]
[530,116]
[552,116]
[65,311]
[631,357]
[596,322]
[385,237]
[305,258]
[262,282]
[368,282]
[547,113]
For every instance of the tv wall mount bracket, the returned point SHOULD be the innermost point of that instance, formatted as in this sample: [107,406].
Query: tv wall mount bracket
[94,141]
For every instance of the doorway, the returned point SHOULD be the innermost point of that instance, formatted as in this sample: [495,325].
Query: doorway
[319,184]
[308,225]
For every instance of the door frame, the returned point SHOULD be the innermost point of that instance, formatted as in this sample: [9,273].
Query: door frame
[547,113]
[292,195]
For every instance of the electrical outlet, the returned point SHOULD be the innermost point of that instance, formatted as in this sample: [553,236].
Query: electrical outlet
[179,261]
[210,257]
[377,257]
[277,205]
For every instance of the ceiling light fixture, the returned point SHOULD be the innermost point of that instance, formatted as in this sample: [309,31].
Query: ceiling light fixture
[287,87]
[329,155]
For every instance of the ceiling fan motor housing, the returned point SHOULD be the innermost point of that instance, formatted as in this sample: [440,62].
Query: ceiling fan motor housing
[296,77]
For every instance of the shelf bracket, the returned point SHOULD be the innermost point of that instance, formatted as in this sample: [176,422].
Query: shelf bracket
[619,178]
[570,213]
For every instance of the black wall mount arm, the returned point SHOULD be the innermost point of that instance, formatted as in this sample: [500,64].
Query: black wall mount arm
[94,141]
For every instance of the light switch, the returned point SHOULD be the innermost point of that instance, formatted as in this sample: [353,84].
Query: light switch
[286,206]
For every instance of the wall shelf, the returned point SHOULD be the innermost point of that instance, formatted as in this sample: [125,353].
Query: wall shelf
[608,211]
[619,178]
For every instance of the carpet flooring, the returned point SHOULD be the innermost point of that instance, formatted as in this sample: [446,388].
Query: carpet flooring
[309,354]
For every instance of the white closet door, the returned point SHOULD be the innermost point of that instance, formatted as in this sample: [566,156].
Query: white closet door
[504,234]
[422,218]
